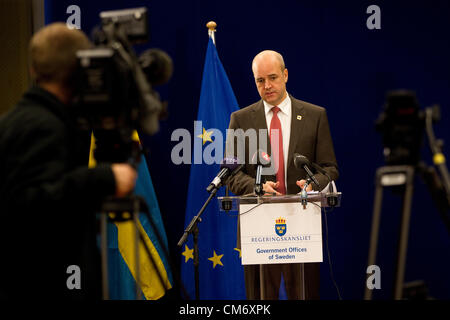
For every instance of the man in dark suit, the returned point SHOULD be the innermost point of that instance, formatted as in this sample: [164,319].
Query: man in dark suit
[302,128]
[48,195]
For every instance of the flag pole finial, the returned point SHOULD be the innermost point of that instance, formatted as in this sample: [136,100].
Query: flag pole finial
[211,25]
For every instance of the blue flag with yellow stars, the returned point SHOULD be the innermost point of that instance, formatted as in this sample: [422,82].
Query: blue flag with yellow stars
[220,269]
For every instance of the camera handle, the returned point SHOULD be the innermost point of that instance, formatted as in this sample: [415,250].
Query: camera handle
[436,149]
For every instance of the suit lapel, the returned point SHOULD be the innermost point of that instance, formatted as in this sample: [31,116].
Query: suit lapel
[259,121]
[297,124]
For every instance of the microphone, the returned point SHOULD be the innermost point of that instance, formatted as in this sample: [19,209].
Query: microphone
[157,66]
[302,162]
[261,159]
[228,168]
[331,196]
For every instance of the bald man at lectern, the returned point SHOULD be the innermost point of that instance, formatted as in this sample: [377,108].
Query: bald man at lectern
[303,128]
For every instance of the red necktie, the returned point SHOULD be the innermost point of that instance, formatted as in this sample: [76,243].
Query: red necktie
[275,124]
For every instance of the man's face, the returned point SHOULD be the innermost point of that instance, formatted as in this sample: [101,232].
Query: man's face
[270,79]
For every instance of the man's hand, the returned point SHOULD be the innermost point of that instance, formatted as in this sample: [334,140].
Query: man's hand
[125,176]
[301,184]
[270,187]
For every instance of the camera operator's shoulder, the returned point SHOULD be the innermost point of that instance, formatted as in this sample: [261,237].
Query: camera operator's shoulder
[27,121]
[40,117]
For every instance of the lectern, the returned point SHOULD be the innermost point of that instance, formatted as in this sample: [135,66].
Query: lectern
[280,229]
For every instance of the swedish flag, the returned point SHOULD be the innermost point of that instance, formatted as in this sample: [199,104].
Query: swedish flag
[155,273]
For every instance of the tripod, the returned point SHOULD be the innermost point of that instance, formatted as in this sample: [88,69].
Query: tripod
[402,176]
[386,177]
[125,209]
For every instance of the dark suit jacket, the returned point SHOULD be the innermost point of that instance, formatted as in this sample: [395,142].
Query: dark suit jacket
[310,137]
[48,199]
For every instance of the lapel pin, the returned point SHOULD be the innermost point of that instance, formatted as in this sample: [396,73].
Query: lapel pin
[299,117]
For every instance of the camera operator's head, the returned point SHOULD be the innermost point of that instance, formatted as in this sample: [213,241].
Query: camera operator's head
[53,58]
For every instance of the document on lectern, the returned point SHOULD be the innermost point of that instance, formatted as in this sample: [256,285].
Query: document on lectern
[280,233]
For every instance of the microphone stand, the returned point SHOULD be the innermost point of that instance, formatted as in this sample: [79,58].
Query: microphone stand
[258,186]
[304,193]
[331,196]
[193,228]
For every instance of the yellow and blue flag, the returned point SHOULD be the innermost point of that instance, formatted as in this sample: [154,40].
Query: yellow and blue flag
[155,273]
[221,273]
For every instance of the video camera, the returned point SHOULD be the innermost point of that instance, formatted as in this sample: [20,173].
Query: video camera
[114,87]
[402,126]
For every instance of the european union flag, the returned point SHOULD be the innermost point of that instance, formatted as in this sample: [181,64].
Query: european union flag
[221,273]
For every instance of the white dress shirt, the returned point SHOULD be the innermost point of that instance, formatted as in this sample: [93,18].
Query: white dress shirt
[284,115]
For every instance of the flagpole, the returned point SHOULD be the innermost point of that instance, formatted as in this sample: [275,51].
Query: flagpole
[211,25]
[193,227]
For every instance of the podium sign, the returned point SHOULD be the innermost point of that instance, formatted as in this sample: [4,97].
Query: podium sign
[280,233]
